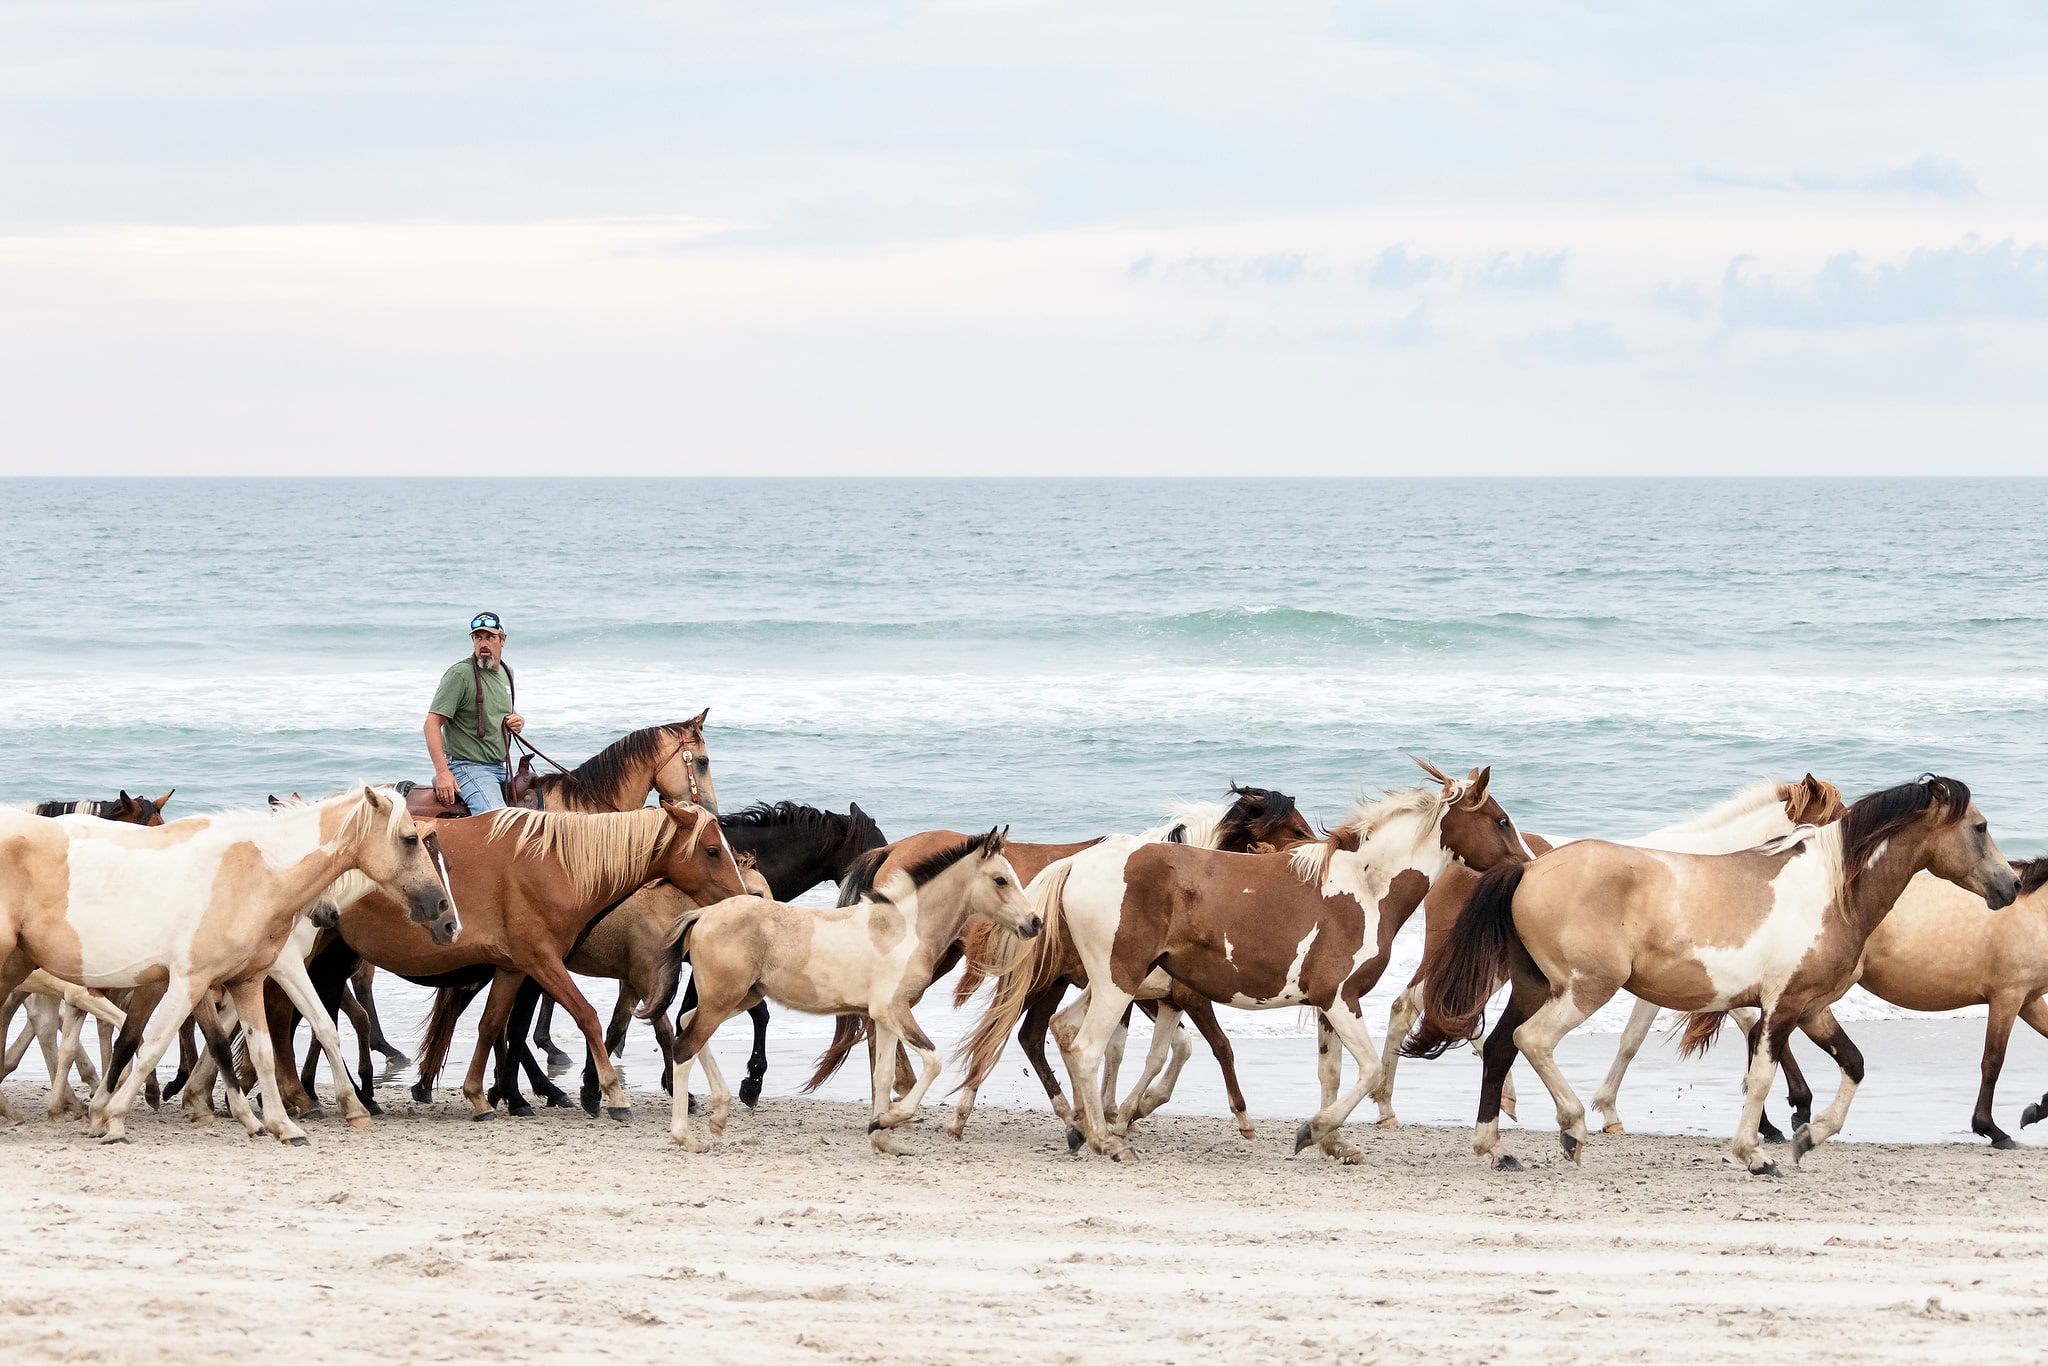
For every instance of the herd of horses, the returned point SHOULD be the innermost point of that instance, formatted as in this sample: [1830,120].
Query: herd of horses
[221,932]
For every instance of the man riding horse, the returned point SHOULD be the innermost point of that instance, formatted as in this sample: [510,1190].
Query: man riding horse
[469,720]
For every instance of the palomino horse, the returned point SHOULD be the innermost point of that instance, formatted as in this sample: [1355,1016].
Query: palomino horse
[1313,926]
[793,849]
[194,903]
[1762,811]
[873,958]
[1781,928]
[1258,820]
[529,883]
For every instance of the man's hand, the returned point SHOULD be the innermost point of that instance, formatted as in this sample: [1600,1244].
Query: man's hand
[515,723]
[445,791]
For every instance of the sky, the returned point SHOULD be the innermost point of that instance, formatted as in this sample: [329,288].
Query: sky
[1513,237]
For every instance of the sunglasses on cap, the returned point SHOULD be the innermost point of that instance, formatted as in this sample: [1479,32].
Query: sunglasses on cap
[486,621]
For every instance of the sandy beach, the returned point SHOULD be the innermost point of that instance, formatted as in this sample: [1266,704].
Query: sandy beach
[430,1237]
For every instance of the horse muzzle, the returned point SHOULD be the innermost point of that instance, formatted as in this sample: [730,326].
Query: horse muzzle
[2003,891]
[1030,928]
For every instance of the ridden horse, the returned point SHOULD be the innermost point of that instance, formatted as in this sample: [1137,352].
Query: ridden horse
[874,958]
[199,902]
[1781,928]
[1312,926]
[529,883]
[1258,820]
[1762,811]
[793,849]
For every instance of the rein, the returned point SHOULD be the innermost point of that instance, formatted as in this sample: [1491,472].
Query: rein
[682,748]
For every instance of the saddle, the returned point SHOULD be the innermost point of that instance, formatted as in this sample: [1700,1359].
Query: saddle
[422,804]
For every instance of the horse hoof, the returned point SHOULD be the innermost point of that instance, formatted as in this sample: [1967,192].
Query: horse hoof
[750,1092]
[1571,1146]
[1801,1118]
[1769,1132]
[620,1113]
[394,1058]
[123,1138]
[300,1142]
[422,1092]
[1507,1163]
[557,1099]
[360,1122]
[696,1106]
[520,1109]
[2030,1115]
[313,1112]
[2003,1143]
[1125,1155]
[1769,1169]
[1614,1128]
[1388,1122]
[558,1061]
[1802,1145]
[1303,1137]
[1507,1107]
[1075,1138]
[482,1115]
[590,1103]
[370,1104]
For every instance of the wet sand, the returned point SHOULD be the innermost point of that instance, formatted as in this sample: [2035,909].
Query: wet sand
[562,1237]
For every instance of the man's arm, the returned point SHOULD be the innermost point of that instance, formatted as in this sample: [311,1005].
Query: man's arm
[444,778]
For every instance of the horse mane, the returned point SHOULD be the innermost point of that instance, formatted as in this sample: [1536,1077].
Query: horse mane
[1761,793]
[860,877]
[1311,861]
[933,864]
[2033,874]
[1189,823]
[595,850]
[597,779]
[1873,819]
[804,820]
[1256,808]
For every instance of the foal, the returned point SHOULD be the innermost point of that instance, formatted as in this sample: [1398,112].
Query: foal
[1781,928]
[873,958]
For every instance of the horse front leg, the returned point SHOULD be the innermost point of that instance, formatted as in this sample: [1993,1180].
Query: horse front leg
[289,975]
[899,1027]
[1204,1016]
[1346,1023]
[1997,1030]
[1529,992]
[1165,1027]
[544,1038]
[1401,1017]
[555,980]
[489,1031]
[1825,1030]
[1083,1031]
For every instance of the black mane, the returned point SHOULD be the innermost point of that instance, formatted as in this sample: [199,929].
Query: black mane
[2033,874]
[1876,818]
[1257,813]
[860,879]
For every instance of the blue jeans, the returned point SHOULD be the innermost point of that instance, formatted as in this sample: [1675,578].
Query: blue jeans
[478,784]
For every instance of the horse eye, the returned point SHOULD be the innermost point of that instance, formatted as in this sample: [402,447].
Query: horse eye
[1983,827]
[1002,882]
[412,839]
[1503,822]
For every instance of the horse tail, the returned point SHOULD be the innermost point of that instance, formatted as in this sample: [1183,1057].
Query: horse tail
[1473,962]
[670,974]
[847,1031]
[449,1003]
[973,970]
[1038,968]
[1702,1027]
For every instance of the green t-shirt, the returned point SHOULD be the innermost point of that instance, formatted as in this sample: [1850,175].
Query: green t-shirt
[456,700]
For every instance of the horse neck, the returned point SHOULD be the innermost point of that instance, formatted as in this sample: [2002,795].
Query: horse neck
[1897,860]
[1389,853]
[1744,830]
[630,794]
[791,863]
[941,911]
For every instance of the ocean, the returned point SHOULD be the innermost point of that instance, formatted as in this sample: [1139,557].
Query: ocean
[1066,657]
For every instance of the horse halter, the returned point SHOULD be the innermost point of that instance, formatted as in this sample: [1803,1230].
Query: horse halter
[689,759]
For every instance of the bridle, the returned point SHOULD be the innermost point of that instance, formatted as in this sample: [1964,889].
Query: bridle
[682,748]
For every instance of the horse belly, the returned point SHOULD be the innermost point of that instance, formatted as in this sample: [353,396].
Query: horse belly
[841,969]
[1760,967]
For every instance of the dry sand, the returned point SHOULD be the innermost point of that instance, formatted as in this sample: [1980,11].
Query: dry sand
[431,1237]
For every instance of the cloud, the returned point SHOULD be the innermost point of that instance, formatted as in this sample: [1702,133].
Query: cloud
[1938,176]
[1580,344]
[2002,280]
[1394,268]
[1530,270]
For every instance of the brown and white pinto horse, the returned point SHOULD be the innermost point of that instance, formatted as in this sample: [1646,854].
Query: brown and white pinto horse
[1760,812]
[529,882]
[1257,931]
[873,958]
[1781,928]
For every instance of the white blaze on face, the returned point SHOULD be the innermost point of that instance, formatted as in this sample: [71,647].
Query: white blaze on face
[1800,895]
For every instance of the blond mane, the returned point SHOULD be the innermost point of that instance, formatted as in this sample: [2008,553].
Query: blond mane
[599,852]
[1311,862]
[1764,792]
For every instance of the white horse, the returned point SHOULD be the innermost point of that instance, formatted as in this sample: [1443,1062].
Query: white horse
[201,902]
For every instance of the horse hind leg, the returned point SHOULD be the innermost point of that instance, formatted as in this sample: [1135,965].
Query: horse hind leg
[543,1035]
[1640,1022]
[1083,1030]
[757,1061]
[1825,1030]
[1538,1038]
[1346,1026]
[1113,1059]
[1165,1027]
[1401,1018]
[2035,1013]
[1997,1030]
[1204,1016]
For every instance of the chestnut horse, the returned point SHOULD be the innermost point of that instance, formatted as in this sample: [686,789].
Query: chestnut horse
[1313,927]
[529,883]
[1781,928]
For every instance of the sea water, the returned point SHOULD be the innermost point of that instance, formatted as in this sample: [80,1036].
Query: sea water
[1065,657]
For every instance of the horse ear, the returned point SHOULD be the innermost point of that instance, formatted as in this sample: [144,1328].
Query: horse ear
[992,842]
[275,804]
[697,721]
[165,800]
[375,798]
[1475,792]
[127,802]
